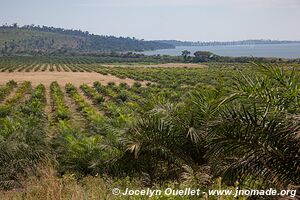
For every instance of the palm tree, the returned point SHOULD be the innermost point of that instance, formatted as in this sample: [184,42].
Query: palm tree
[257,135]
[250,134]
[172,135]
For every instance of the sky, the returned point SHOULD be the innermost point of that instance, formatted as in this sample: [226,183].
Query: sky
[188,20]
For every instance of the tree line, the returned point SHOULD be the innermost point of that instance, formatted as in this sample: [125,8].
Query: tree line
[68,40]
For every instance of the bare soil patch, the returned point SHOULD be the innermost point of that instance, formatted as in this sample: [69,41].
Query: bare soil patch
[62,78]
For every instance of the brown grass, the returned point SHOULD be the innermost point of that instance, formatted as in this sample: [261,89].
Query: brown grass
[76,78]
[48,186]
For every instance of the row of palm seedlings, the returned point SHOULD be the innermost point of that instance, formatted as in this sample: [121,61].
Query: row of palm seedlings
[92,93]
[119,111]
[125,94]
[12,101]
[62,112]
[89,152]
[24,67]
[68,140]
[9,67]
[37,67]
[7,89]
[102,90]
[97,121]
[52,66]
[22,139]
[13,61]
[64,67]
[118,94]
[248,136]
[13,68]
[88,67]
[171,77]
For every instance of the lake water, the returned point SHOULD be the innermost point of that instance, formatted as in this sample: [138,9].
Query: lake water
[262,50]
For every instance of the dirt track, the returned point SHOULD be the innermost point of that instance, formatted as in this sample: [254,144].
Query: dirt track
[76,78]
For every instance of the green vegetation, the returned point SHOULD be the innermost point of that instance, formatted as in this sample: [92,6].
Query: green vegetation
[219,126]
[7,107]
[22,138]
[62,111]
[96,120]
[50,40]
[7,89]
[13,62]
[92,93]
[206,56]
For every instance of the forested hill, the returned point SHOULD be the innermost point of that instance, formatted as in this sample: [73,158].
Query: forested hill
[44,40]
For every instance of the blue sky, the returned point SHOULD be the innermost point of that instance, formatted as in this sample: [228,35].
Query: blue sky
[197,20]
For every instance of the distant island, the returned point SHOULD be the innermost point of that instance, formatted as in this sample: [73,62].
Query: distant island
[216,43]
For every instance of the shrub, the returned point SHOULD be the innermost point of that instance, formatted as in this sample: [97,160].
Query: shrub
[99,99]
[122,96]
[111,83]
[137,84]
[124,85]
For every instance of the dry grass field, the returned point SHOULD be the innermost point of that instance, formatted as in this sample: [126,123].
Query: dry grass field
[46,78]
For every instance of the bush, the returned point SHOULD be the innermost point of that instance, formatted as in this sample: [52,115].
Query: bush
[122,96]
[124,85]
[99,99]
[137,84]
[5,110]
[111,83]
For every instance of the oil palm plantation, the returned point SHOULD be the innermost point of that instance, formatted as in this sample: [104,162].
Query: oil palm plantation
[249,134]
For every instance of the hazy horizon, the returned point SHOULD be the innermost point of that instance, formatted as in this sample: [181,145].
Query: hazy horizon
[189,20]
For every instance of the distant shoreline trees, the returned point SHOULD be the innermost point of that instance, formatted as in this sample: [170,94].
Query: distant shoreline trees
[206,56]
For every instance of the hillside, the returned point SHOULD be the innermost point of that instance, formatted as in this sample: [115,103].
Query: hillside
[44,40]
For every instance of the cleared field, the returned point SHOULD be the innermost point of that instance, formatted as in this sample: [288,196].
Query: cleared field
[62,78]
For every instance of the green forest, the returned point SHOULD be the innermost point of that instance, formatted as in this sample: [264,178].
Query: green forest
[43,40]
